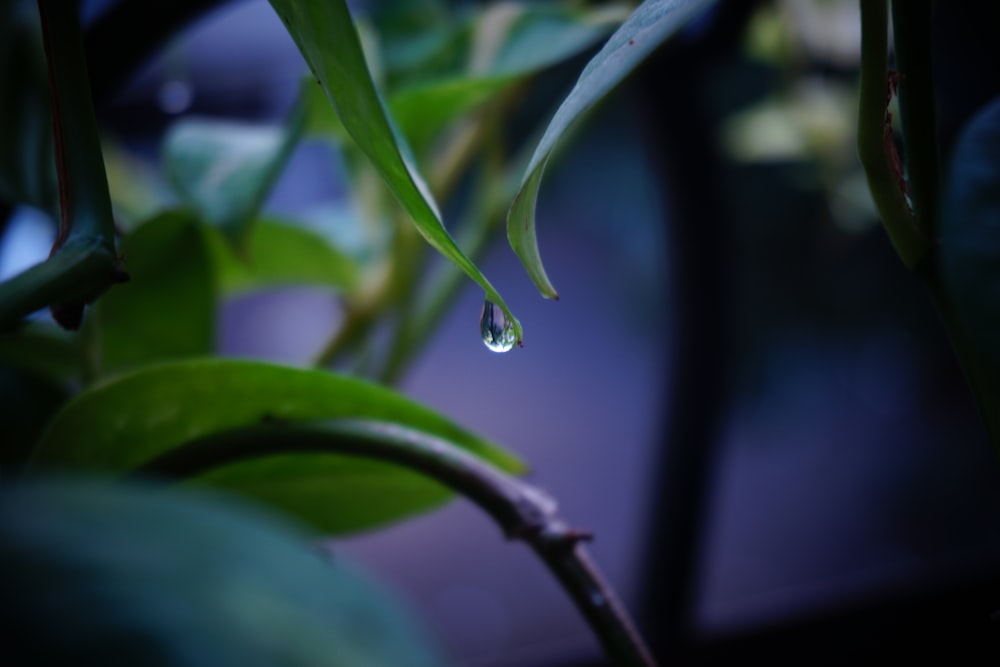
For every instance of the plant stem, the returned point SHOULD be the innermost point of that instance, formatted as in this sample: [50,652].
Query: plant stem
[522,511]
[909,240]
[71,276]
[85,204]
[911,26]
[83,262]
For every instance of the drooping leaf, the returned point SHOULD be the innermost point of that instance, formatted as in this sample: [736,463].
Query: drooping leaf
[652,22]
[225,170]
[279,254]
[97,573]
[970,257]
[167,309]
[125,423]
[325,35]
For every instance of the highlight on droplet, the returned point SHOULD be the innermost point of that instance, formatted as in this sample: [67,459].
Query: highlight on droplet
[496,330]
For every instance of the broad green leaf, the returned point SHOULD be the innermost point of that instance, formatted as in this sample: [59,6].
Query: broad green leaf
[127,422]
[970,258]
[225,170]
[167,309]
[122,574]
[323,31]
[278,254]
[652,22]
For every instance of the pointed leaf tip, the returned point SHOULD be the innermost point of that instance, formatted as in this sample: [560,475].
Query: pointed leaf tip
[653,22]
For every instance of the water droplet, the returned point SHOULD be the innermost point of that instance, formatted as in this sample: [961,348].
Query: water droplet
[497,331]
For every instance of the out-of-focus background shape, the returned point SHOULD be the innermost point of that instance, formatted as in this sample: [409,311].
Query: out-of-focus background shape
[851,470]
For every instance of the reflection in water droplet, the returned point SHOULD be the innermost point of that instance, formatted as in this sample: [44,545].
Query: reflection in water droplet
[497,331]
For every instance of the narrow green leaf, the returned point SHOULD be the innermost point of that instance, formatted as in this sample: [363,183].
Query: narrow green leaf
[125,423]
[135,574]
[225,170]
[167,309]
[325,35]
[652,23]
[279,254]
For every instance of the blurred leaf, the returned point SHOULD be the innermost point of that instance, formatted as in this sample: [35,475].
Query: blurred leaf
[125,423]
[323,31]
[27,167]
[513,41]
[279,254]
[167,309]
[225,170]
[652,23]
[424,111]
[114,574]
[970,257]
[45,350]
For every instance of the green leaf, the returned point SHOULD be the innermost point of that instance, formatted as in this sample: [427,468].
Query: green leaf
[653,22]
[225,170]
[128,422]
[45,350]
[970,258]
[513,41]
[279,254]
[128,574]
[449,99]
[167,309]
[323,31]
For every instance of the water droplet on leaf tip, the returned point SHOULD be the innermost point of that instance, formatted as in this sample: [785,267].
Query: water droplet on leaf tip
[496,330]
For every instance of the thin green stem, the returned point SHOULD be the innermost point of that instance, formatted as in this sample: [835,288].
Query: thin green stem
[911,26]
[83,262]
[85,204]
[909,241]
[522,511]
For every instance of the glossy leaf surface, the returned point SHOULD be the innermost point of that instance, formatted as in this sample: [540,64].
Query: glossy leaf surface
[129,421]
[651,24]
